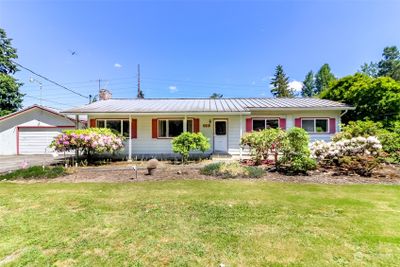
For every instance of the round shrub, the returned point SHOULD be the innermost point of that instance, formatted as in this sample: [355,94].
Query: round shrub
[187,142]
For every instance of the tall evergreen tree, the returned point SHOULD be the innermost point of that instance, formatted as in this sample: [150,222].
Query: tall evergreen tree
[308,88]
[10,96]
[390,64]
[323,77]
[280,84]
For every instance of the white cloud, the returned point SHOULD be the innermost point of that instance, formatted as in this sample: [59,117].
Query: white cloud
[172,89]
[253,83]
[117,65]
[296,85]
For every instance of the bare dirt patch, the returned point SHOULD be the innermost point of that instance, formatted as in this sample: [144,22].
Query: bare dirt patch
[124,172]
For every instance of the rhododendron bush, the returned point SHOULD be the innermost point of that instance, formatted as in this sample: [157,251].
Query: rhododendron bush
[357,154]
[89,141]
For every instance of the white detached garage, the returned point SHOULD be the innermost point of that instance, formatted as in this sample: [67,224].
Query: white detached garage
[31,130]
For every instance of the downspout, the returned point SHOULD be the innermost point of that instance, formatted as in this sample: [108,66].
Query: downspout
[130,139]
[241,133]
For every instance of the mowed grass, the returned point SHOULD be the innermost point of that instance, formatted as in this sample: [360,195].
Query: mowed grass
[199,223]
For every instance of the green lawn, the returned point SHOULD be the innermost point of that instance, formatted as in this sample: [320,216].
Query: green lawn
[199,223]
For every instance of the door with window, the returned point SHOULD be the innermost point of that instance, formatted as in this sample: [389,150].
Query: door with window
[220,136]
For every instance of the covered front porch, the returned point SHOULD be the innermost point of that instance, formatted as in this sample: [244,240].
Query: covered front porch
[150,135]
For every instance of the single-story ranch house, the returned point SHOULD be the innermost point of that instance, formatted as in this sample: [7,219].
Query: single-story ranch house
[150,124]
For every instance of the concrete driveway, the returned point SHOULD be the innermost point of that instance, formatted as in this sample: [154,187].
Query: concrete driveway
[9,163]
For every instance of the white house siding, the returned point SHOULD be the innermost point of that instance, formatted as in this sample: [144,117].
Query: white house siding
[145,144]
[34,118]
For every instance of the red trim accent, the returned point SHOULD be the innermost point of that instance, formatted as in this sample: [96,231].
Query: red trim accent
[282,123]
[297,122]
[134,128]
[33,107]
[249,125]
[92,123]
[36,127]
[154,133]
[332,125]
[196,125]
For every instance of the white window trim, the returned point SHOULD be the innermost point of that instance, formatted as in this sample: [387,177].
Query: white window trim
[265,121]
[122,123]
[315,125]
[167,127]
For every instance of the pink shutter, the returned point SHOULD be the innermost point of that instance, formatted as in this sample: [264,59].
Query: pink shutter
[196,125]
[282,123]
[92,123]
[297,122]
[249,125]
[154,133]
[134,128]
[332,125]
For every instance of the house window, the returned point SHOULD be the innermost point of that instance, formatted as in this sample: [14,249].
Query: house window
[315,125]
[118,126]
[173,127]
[261,124]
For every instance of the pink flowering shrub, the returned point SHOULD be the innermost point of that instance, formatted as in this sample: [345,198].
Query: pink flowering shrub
[89,141]
[358,154]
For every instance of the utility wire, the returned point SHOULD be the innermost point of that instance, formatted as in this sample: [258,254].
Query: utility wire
[46,100]
[49,80]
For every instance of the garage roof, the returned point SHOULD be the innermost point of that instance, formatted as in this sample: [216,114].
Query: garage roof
[27,109]
[203,105]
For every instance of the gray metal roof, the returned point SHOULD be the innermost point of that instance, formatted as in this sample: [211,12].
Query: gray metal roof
[204,105]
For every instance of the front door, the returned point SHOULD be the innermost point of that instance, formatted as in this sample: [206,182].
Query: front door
[220,136]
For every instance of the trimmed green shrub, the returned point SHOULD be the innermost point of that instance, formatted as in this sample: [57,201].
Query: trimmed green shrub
[232,170]
[262,142]
[295,157]
[35,172]
[186,142]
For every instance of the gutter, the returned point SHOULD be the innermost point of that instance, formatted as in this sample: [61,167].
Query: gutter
[157,113]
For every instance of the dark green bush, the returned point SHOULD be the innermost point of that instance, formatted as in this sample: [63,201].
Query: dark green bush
[35,172]
[295,158]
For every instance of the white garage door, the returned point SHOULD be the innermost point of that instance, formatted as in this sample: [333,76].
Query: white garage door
[37,140]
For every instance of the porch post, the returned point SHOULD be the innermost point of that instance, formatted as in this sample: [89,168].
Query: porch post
[130,139]
[77,127]
[185,124]
[240,136]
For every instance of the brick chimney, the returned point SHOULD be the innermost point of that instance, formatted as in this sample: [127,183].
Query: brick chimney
[104,94]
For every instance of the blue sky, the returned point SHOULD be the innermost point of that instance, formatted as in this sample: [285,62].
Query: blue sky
[190,49]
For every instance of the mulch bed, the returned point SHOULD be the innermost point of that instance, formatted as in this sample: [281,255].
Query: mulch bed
[123,172]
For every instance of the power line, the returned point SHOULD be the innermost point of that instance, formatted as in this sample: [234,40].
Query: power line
[49,80]
[50,101]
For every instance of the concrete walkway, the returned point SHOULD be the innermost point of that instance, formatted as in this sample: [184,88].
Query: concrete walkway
[9,163]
